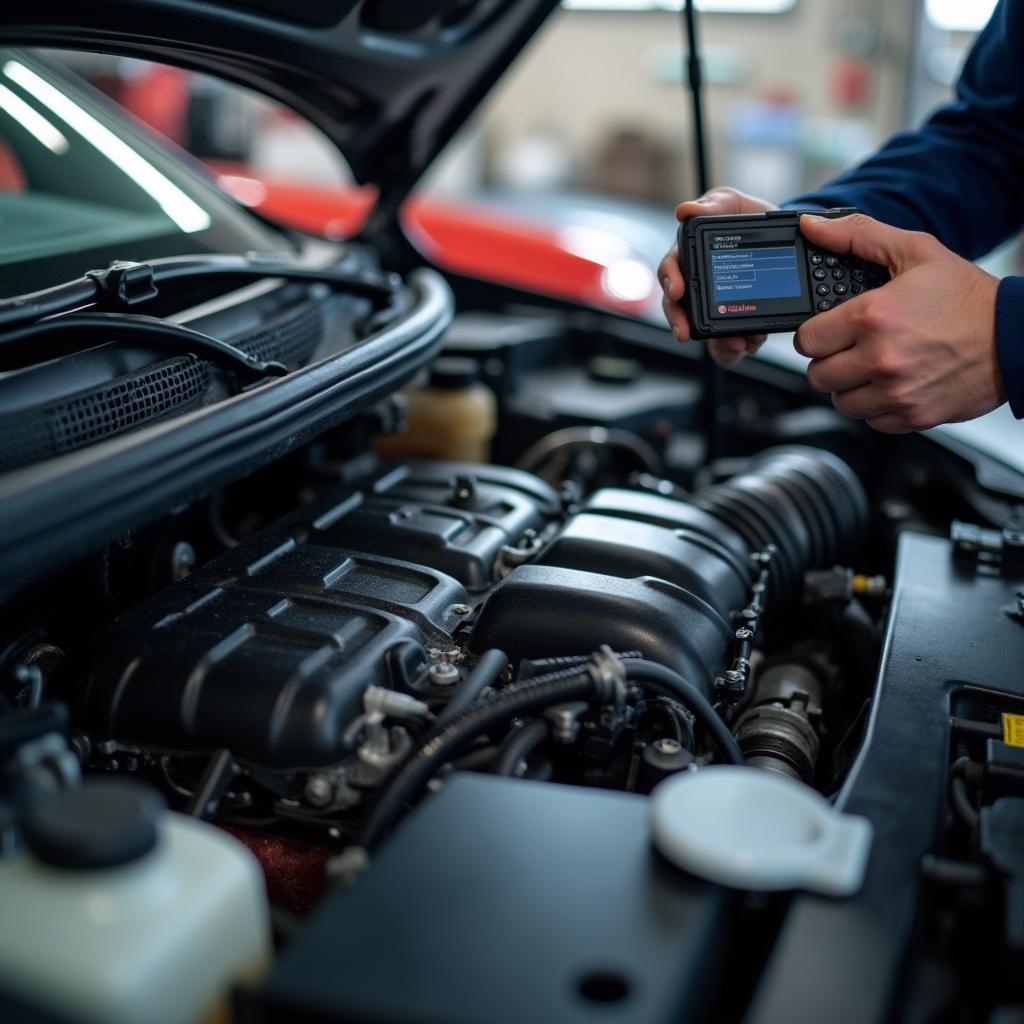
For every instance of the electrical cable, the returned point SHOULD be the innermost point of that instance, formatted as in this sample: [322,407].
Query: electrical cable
[651,675]
[125,284]
[958,795]
[519,745]
[445,739]
[37,342]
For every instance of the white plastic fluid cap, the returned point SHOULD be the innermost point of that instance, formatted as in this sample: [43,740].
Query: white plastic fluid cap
[753,829]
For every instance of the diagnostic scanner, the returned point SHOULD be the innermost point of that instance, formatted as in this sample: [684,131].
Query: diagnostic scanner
[757,274]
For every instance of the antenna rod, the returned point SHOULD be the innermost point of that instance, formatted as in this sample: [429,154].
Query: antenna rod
[712,377]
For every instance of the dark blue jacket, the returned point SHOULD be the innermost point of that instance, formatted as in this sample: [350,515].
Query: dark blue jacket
[960,176]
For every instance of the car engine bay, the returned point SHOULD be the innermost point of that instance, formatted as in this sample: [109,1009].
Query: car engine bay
[431,695]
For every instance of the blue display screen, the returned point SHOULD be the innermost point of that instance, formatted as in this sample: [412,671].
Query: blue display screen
[767,272]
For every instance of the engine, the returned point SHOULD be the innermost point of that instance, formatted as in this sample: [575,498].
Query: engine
[312,656]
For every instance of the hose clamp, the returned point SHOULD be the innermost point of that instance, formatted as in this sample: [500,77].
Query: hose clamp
[609,675]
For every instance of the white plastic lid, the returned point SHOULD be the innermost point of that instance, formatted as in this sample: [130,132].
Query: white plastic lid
[753,829]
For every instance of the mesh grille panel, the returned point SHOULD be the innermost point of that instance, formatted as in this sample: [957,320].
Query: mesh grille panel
[134,400]
[127,403]
[102,412]
[289,339]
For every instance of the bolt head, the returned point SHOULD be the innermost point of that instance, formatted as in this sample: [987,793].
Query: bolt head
[444,673]
[183,559]
[319,790]
[665,745]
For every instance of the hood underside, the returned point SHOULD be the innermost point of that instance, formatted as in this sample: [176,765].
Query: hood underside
[389,81]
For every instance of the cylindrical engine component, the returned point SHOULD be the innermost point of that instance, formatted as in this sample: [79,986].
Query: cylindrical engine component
[779,730]
[660,759]
[805,501]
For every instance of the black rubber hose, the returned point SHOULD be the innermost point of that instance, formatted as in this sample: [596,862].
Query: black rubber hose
[519,745]
[443,740]
[49,339]
[657,677]
[485,673]
[958,795]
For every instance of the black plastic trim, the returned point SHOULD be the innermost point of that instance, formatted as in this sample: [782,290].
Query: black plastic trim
[54,511]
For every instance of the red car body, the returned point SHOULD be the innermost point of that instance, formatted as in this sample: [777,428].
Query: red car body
[464,238]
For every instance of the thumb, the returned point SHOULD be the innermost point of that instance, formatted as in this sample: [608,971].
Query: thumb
[718,201]
[862,236]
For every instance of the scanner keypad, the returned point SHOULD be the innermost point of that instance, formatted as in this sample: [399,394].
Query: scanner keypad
[845,277]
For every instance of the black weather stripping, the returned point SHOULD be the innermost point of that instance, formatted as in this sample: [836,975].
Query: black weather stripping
[125,285]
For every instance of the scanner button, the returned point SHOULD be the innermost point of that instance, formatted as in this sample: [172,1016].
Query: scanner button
[839,273]
[856,288]
[816,258]
[820,274]
[824,304]
[831,261]
[823,289]
[841,288]
[857,274]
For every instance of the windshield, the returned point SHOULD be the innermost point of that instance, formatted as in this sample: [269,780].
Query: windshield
[80,186]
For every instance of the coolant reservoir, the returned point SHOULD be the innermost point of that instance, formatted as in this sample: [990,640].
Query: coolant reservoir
[123,913]
[453,417]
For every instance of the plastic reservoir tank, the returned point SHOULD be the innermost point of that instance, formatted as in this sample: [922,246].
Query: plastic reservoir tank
[121,912]
[453,417]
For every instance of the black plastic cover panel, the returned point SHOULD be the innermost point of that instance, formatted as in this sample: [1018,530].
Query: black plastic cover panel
[543,611]
[621,547]
[450,516]
[267,650]
[950,631]
[510,901]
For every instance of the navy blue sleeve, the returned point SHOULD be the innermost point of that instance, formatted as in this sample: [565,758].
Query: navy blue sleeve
[1010,340]
[960,176]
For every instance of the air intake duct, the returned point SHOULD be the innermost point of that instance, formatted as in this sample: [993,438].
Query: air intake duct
[639,571]
[805,502]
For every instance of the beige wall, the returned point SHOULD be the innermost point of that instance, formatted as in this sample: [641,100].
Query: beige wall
[588,73]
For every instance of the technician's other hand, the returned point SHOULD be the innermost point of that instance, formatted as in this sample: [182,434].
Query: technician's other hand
[726,351]
[917,352]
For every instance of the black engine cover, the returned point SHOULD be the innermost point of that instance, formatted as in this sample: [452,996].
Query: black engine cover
[267,650]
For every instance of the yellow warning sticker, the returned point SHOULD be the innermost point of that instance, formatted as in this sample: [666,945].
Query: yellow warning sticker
[1013,730]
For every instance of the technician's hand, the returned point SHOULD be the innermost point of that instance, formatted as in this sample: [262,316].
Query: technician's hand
[726,351]
[920,350]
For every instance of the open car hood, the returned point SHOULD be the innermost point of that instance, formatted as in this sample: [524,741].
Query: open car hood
[389,81]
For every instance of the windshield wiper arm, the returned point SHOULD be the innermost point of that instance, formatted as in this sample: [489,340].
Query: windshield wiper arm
[124,285]
[37,342]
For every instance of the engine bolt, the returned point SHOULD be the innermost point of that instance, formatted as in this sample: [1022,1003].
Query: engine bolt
[183,560]
[444,673]
[461,609]
[319,790]
[667,746]
[743,634]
